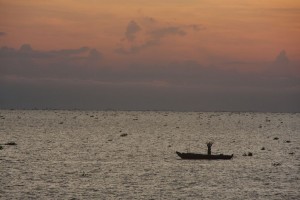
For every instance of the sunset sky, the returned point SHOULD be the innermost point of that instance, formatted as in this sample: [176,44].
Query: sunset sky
[202,55]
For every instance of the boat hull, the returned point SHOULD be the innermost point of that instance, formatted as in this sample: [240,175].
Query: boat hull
[195,156]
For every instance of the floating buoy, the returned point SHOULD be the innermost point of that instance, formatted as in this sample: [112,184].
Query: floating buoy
[276,164]
[10,143]
[124,135]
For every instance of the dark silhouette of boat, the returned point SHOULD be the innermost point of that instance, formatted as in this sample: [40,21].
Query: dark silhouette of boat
[198,156]
[208,156]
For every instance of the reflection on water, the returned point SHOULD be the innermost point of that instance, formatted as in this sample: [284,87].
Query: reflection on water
[131,155]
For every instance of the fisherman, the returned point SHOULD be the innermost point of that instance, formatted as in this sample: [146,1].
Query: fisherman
[209,144]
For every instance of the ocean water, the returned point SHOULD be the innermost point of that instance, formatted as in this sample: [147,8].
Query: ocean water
[131,155]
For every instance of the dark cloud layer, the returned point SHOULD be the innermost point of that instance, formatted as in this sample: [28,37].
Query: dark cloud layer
[76,78]
[76,95]
[2,33]
[26,51]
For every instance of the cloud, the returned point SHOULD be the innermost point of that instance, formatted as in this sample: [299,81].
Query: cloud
[282,58]
[85,63]
[166,31]
[72,74]
[132,29]
[154,38]
[148,21]
[30,63]
[2,33]
[94,54]
[26,48]
[282,66]
[137,48]
[152,33]
[27,51]
[68,52]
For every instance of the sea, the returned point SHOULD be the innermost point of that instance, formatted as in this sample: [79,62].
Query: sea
[61,154]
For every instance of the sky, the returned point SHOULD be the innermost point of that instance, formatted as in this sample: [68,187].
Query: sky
[182,55]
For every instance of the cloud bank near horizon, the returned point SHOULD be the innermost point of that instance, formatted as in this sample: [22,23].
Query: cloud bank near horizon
[76,76]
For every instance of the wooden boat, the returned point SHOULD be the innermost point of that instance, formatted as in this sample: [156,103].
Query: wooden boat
[196,156]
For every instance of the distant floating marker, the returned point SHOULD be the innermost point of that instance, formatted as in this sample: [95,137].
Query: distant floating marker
[276,164]
[10,143]
[123,134]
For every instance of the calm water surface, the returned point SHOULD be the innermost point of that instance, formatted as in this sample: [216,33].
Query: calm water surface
[131,155]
